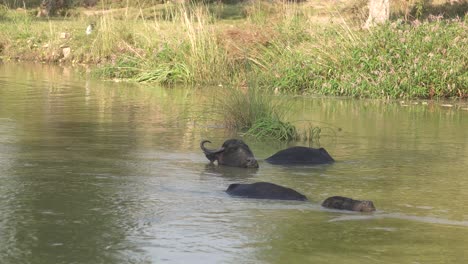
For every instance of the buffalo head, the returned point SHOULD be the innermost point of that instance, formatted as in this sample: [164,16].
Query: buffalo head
[233,152]
[345,203]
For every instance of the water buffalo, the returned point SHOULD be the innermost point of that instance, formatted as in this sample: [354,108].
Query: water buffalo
[233,152]
[301,156]
[344,203]
[264,190]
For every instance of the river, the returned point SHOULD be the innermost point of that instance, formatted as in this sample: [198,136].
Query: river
[105,172]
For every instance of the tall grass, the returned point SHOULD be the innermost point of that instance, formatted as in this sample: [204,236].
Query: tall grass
[205,57]
[192,54]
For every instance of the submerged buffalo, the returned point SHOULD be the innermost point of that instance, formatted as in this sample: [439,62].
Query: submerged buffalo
[344,203]
[233,152]
[264,190]
[301,156]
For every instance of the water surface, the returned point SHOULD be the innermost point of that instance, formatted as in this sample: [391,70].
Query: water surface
[101,172]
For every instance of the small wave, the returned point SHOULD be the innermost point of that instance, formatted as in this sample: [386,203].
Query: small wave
[424,219]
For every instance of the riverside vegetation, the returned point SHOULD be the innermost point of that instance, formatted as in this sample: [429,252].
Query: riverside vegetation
[276,47]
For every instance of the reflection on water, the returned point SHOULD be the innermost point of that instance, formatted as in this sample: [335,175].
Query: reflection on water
[98,172]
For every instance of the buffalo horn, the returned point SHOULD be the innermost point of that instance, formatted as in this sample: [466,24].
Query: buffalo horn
[208,151]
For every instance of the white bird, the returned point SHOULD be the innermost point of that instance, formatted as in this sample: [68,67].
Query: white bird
[89,29]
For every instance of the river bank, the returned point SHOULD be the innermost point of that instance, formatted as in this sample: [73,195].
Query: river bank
[282,48]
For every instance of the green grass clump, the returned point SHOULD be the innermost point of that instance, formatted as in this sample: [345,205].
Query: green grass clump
[255,113]
[260,115]
[273,128]
[134,69]
[124,68]
[166,74]
[241,109]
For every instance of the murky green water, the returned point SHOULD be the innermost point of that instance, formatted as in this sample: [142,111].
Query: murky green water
[94,172]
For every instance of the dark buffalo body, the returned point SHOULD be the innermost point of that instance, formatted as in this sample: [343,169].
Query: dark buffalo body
[233,152]
[301,156]
[264,190]
[344,203]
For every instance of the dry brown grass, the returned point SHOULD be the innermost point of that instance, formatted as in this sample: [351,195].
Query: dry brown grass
[239,43]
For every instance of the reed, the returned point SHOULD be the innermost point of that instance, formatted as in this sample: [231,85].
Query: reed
[204,56]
